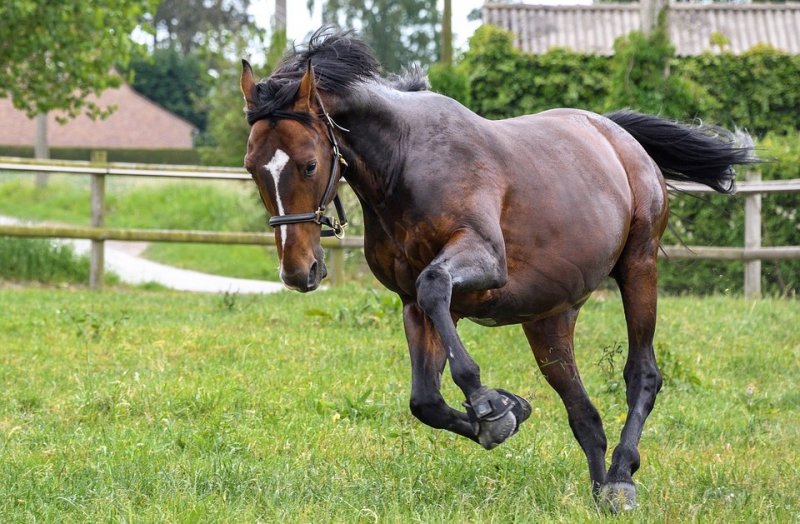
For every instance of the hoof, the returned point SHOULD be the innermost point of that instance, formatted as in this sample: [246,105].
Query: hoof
[498,415]
[618,496]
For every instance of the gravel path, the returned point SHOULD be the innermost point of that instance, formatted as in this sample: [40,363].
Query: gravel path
[123,259]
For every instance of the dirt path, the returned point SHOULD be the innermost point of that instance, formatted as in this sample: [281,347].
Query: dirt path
[123,258]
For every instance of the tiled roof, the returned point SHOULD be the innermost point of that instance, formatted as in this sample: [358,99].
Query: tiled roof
[137,123]
[593,28]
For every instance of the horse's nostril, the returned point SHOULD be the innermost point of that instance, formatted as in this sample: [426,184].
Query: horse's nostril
[312,275]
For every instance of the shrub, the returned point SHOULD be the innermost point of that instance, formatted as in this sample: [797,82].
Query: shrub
[26,259]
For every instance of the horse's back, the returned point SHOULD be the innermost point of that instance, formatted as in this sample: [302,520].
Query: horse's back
[561,186]
[574,183]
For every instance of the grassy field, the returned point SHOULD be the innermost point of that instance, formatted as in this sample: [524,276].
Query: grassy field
[200,205]
[167,407]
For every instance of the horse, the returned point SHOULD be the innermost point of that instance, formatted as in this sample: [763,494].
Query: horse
[501,222]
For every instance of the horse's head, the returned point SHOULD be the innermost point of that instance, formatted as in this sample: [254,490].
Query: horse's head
[293,157]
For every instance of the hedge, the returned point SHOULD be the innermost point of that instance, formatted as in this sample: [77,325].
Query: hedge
[758,90]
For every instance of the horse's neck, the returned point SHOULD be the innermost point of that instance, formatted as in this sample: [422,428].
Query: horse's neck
[374,145]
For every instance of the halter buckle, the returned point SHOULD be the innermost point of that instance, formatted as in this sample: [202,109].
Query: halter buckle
[338,229]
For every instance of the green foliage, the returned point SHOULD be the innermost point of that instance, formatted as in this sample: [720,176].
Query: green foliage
[449,80]
[504,82]
[54,54]
[175,81]
[210,29]
[25,259]
[640,77]
[757,90]
[190,59]
[228,131]
[400,32]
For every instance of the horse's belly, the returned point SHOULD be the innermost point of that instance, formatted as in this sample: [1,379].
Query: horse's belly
[548,276]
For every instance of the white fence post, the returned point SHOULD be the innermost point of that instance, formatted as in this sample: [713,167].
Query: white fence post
[97,257]
[752,239]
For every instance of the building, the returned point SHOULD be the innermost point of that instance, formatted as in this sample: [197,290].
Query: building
[694,28]
[137,123]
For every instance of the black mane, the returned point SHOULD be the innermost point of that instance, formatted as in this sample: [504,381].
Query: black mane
[340,60]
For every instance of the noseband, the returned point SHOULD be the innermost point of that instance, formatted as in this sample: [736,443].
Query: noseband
[336,225]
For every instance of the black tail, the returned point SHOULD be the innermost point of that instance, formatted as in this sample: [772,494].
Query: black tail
[701,153]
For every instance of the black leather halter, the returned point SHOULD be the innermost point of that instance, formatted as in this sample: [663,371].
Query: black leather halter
[336,225]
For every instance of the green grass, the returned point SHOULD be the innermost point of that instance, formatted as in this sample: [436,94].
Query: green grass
[36,260]
[254,262]
[159,406]
[214,206]
[211,205]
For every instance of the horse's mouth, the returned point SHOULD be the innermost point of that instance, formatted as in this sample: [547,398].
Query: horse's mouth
[305,281]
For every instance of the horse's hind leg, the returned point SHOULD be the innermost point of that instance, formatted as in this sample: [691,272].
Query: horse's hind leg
[552,342]
[635,274]
[427,363]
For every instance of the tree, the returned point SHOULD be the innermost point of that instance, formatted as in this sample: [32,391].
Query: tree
[194,42]
[210,27]
[175,81]
[400,31]
[228,130]
[54,54]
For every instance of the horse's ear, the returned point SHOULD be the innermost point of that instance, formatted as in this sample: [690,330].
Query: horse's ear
[248,85]
[307,92]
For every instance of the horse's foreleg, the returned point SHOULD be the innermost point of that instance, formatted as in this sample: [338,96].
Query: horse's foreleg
[469,263]
[427,363]
[551,340]
[636,276]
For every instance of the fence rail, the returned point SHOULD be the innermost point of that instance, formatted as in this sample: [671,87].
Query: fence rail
[752,253]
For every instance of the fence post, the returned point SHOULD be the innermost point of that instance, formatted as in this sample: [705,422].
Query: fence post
[752,238]
[97,258]
[336,267]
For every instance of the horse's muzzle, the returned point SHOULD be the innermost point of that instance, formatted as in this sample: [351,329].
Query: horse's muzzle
[305,280]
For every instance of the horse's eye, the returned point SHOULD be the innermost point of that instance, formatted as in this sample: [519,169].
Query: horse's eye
[311,167]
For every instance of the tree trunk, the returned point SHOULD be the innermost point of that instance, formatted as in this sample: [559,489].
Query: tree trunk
[40,150]
[279,23]
[447,34]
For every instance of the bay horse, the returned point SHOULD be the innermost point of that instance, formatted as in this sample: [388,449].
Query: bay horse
[501,222]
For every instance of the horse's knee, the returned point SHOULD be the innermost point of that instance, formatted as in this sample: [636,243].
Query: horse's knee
[434,288]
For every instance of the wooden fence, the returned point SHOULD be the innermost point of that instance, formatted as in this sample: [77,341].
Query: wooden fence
[752,253]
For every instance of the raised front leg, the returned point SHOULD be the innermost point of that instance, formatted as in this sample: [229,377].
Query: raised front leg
[427,363]
[470,262]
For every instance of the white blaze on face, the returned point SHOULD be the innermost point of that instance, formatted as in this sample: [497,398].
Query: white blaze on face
[275,167]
